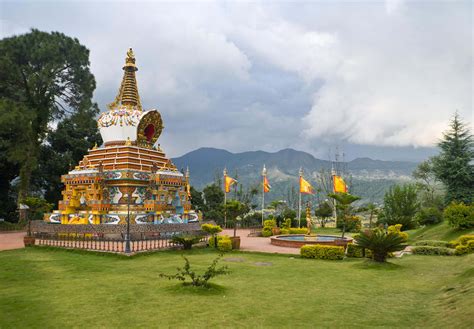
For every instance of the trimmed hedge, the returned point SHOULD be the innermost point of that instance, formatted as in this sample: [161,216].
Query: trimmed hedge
[430,250]
[322,252]
[433,243]
[354,251]
[296,230]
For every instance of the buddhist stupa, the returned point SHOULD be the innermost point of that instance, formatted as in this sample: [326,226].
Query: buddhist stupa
[129,173]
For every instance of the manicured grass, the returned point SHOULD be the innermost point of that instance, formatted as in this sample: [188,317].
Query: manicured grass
[46,288]
[441,231]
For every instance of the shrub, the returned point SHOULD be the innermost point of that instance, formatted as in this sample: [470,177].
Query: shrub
[197,280]
[284,231]
[429,250]
[353,223]
[461,250]
[380,243]
[267,231]
[464,239]
[223,243]
[433,243]
[296,230]
[400,206]
[211,229]
[322,252]
[269,223]
[286,224]
[354,251]
[429,216]
[397,229]
[460,215]
[186,240]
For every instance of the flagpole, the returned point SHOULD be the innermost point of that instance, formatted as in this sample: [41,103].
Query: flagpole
[225,199]
[264,173]
[333,173]
[299,199]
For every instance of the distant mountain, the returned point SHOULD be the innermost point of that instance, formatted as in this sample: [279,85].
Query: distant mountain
[368,178]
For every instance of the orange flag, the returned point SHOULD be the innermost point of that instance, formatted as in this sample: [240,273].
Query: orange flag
[266,185]
[228,181]
[305,187]
[339,184]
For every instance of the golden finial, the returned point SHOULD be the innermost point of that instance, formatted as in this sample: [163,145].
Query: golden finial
[130,54]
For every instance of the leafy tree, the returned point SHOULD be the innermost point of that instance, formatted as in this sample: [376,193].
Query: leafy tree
[323,211]
[197,200]
[65,147]
[344,201]
[373,211]
[235,209]
[454,166]
[213,201]
[427,182]
[48,75]
[400,206]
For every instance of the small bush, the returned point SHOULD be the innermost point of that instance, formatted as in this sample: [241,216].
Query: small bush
[397,229]
[211,229]
[269,223]
[380,243]
[284,231]
[296,230]
[429,216]
[464,239]
[460,215]
[286,224]
[197,280]
[354,251]
[186,240]
[322,252]
[462,250]
[433,243]
[223,243]
[267,231]
[429,250]
[353,223]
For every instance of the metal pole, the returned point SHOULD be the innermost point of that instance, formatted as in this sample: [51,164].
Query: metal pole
[127,236]
[299,199]
[264,172]
[225,198]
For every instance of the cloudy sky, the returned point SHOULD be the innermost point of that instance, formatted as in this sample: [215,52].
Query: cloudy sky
[377,79]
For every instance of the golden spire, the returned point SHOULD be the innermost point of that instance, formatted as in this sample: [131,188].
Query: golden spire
[128,92]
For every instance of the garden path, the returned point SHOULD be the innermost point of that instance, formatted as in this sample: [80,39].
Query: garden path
[261,244]
[11,240]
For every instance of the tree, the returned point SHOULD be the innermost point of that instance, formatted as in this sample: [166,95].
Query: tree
[235,209]
[344,201]
[373,210]
[400,206]
[427,182]
[454,166]
[65,147]
[197,200]
[213,200]
[48,75]
[323,211]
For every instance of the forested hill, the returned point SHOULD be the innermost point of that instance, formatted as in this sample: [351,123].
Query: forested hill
[368,178]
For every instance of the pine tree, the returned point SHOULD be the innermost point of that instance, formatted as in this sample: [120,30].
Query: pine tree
[454,166]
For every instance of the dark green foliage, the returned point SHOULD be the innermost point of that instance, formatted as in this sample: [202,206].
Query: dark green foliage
[213,203]
[352,223]
[38,206]
[400,206]
[323,211]
[322,252]
[460,215]
[430,250]
[197,280]
[186,240]
[197,200]
[432,243]
[44,77]
[380,243]
[429,216]
[454,166]
[235,210]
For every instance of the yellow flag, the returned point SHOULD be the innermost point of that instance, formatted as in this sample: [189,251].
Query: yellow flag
[266,185]
[339,184]
[305,187]
[228,181]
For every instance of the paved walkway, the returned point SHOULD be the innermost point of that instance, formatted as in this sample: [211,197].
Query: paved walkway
[13,240]
[259,243]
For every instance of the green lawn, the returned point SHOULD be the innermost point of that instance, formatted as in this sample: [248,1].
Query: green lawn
[46,288]
[441,231]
